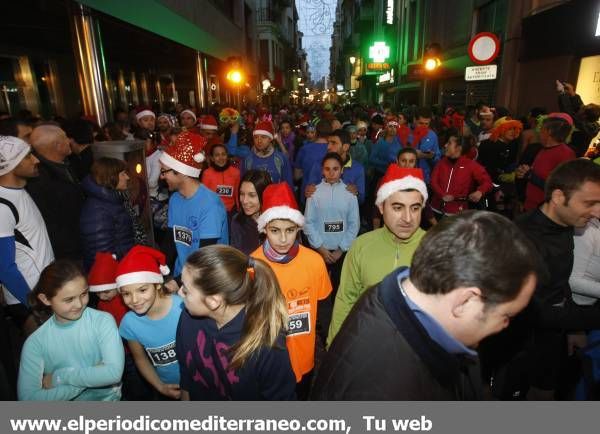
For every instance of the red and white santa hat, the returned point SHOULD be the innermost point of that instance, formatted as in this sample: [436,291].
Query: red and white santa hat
[208,122]
[140,112]
[186,155]
[397,178]
[103,274]
[279,203]
[264,128]
[189,112]
[142,264]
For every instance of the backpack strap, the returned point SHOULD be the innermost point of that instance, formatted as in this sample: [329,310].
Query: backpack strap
[19,237]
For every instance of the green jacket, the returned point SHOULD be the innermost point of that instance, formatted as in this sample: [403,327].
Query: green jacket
[372,257]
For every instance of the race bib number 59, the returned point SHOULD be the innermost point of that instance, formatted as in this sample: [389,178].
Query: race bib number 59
[299,323]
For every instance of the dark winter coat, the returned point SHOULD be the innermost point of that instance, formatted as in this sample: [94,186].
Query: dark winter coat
[59,197]
[106,226]
[383,352]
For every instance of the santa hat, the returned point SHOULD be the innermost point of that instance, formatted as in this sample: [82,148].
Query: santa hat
[142,265]
[392,121]
[264,128]
[189,112]
[398,178]
[140,112]
[564,116]
[486,112]
[186,154]
[504,124]
[103,274]
[208,122]
[279,203]
[170,119]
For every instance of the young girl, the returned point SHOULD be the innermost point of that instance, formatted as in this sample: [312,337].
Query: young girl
[221,177]
[77,354]
[244,234]
[332,219]
[301,273]
[231,337]
[149,328]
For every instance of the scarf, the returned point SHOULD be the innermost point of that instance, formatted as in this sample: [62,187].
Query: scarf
[418,134]
[403,132]
[273,256]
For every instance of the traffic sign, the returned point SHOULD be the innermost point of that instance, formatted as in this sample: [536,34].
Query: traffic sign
[482,72]
[484,48]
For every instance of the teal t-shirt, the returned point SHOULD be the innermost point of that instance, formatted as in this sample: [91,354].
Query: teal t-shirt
[85,357]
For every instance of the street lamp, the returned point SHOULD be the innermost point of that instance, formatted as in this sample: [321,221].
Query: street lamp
[352,60]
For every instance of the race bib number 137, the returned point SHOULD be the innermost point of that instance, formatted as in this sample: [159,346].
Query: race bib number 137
[182,235]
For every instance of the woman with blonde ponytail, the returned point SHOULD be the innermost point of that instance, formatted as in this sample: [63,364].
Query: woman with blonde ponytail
[231,337]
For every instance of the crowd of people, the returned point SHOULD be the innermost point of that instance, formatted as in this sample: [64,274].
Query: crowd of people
[321,252]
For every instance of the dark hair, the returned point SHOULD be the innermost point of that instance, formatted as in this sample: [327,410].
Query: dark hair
[324,128]
[377,119]
[537,111]
[56,275]
[226,271]
[80,130]
[332,156]
[10,126]
[105,171]
[557,128]
[570,176]
[407,150]
[474,249]
[216,145]
[259,179]
[591,112]
[342,134]
[423,112]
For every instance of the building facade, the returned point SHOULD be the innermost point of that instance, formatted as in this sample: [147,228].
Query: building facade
[66,58]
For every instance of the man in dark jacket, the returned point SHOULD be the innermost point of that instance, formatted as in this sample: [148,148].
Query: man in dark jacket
[56,191]
[572,198]
[412,337]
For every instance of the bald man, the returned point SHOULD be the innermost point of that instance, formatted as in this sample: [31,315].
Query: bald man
[56,191]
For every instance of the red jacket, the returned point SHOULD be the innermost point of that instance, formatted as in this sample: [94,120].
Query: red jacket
[226,184]
[459,180]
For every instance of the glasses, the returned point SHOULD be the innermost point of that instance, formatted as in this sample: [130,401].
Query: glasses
[227,119]
[165,171]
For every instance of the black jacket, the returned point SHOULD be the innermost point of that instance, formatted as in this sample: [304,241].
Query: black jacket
[59,197]
[383,352]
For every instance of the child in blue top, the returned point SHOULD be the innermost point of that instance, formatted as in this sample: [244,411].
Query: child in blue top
[149,328]
[332,217]
[76,354]
[231,337]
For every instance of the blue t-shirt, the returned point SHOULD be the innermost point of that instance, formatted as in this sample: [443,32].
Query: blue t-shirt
[200,217]
[202,349]
[158,339]
[310,154]
[276,164]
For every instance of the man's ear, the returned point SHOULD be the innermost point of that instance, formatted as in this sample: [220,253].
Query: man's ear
[557,197]
[463,301]
[380,207]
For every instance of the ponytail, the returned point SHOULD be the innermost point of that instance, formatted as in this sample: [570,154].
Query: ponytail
[226,271]
[266,313]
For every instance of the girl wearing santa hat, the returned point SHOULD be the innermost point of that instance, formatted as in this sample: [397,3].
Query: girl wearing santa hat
[92,366]
[301,273]
[149,328]
[231,336]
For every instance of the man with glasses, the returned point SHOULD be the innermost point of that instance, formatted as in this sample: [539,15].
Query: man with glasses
[196,216]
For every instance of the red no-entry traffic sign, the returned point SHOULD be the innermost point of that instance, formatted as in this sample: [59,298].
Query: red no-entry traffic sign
[484,48]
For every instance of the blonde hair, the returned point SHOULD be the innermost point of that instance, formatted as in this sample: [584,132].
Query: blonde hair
[239,279]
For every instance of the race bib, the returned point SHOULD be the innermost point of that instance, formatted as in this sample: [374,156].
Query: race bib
[334,226]
[182,235]
[162,356]
[225,190]
[299,324]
